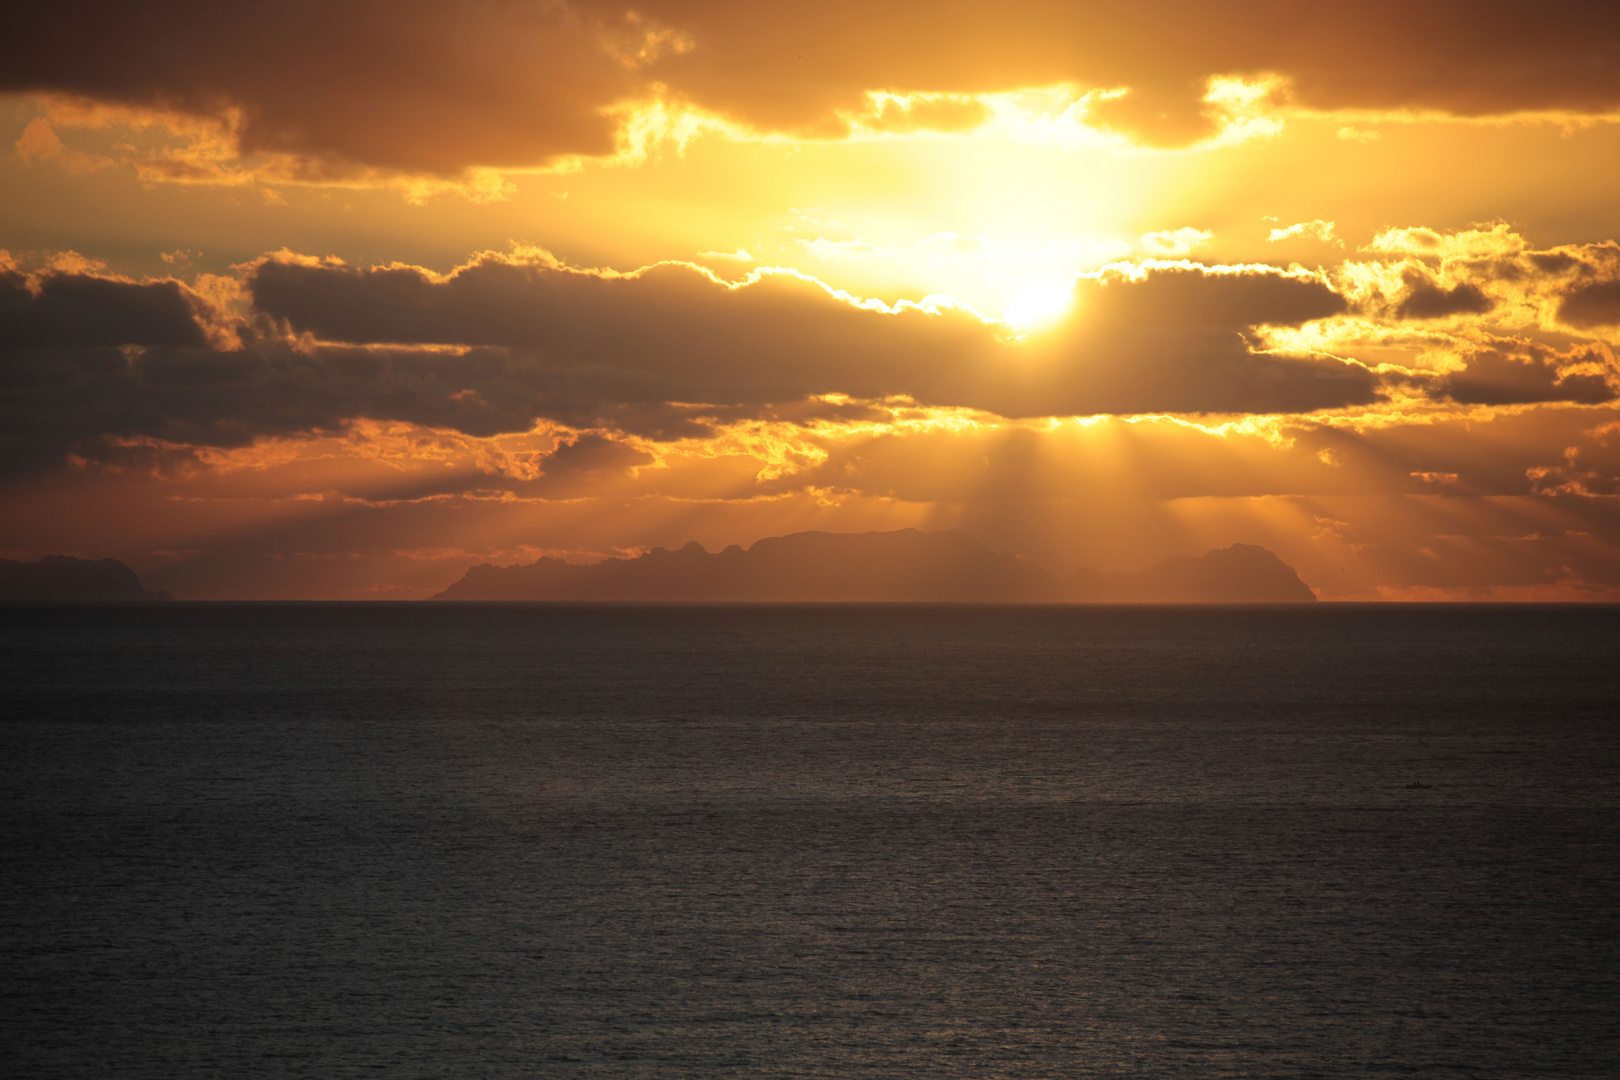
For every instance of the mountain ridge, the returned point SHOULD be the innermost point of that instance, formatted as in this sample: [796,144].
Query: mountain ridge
[902,565]
[69,579]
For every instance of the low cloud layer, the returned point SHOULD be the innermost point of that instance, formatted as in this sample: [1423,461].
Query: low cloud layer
[97,367]
[88,311]
[1169,339]
[501,344]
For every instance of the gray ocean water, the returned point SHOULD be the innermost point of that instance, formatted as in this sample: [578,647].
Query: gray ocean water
[843,841]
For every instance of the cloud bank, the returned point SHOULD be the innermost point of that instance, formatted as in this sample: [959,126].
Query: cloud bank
[502,343]
[429,87]
[97,368]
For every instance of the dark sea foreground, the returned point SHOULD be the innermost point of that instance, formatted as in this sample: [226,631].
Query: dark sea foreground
[569,841]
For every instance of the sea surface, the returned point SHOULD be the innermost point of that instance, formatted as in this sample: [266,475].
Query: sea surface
[463,841]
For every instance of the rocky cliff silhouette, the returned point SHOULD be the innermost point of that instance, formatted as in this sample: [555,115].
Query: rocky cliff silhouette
[1240,574]
[63,578]
[902,565]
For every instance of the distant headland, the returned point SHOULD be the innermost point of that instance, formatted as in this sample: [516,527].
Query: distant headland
[64,579]
[884,566]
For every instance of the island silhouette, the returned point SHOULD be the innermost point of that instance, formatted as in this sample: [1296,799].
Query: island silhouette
[67,579]
[883,566]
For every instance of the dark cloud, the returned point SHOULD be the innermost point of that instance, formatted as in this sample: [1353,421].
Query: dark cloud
[1501,377]
[411,85]
[665,353]
[79,310]
[91,401]
[422,85]
[1182,294]
[590,455]
[1553,262]
[1168,340]
[669,333]
[1597,304]
[1425,299]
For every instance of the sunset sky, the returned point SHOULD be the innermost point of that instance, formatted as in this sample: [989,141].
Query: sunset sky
[335,300]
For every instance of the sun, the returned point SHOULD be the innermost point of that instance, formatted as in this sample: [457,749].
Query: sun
[1036,305]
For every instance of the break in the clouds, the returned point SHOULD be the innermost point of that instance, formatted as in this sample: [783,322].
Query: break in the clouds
[419,86]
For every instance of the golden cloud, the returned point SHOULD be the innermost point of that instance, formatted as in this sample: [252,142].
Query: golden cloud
[425,89]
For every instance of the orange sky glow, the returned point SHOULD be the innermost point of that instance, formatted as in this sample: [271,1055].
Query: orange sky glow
[337,300]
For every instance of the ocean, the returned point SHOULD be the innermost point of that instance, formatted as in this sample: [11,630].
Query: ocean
[464,841]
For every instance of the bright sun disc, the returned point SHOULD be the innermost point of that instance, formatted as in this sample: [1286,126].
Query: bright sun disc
[1038,305]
